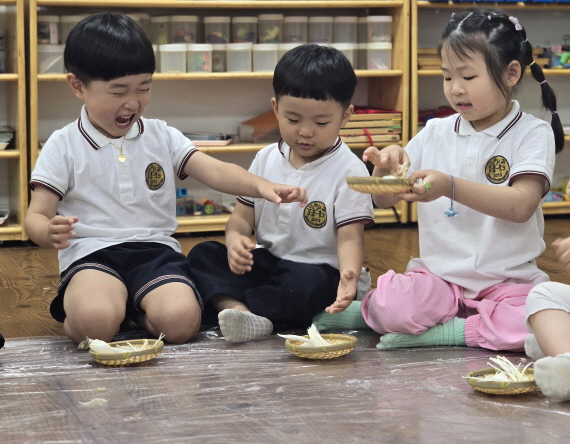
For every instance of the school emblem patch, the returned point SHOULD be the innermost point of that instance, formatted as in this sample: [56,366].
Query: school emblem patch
[154,175]
[497,169]
[315,214]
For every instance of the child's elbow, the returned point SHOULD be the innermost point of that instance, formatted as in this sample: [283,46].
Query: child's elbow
[522,215]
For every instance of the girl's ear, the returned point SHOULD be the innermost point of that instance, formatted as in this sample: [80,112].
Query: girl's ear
[76,86]
[513,73]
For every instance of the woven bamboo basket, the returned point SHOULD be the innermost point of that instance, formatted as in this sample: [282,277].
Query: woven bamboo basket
[153,349]
[501,387]
[379,185]
[340,346]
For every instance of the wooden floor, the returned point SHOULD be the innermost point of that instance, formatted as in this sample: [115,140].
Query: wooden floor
[212,391]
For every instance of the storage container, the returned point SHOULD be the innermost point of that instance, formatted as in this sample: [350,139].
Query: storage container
[144,20]
[379,28]
[349,50]
[362,56]
[269,28]
[320,29]
[48,29]
[184,28]
[345,30]
[238,56]
[50,59]
[379,55]
[217,30]
[173,57]
[284,47]
[67,23]
[160,30]
[265,56]
[295,29]
[199,57]
[219,58]
[362,30]
[244,29]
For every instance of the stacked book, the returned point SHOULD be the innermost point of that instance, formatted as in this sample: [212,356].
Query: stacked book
[6,137]
[372,126]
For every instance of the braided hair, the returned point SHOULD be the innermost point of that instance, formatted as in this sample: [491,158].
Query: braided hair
[501,40]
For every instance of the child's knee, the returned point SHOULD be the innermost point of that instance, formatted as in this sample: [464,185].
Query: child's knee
[96,324]
[179,323]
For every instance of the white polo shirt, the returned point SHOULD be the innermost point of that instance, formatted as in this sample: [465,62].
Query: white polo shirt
[115,202]
[473,250]
[309,234]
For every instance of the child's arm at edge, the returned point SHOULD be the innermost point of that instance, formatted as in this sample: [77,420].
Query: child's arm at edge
[238,238]
[233,179]
[43,225]
[350,251]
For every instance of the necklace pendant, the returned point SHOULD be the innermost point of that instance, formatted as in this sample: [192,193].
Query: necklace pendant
[122,158]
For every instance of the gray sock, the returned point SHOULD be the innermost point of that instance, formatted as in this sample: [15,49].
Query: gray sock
[552,375]
[243,326]
[531,347]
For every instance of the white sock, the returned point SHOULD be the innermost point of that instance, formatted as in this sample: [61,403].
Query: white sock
[531,347]
[243,326]
[552,375]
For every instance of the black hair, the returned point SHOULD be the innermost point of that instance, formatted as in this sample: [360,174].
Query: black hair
[107,46]
[315,72]
[500,39]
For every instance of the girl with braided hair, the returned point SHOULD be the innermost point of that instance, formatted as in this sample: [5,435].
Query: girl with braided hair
[494,163]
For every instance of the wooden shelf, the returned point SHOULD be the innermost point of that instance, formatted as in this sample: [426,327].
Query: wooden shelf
[10,154]
[550,208]
[547,72]
[8,77]
[11,231]
[499,5]
[224,75]
[221,4]
[195,224]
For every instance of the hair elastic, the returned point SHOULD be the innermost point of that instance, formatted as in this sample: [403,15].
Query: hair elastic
[515,22]
[544,81]
[533,62]
[554,112]
[451,212]
[489,17]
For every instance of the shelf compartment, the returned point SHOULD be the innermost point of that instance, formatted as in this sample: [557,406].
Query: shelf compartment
[498,5]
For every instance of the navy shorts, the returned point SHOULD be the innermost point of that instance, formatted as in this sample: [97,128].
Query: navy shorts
[285,292]
[140,266]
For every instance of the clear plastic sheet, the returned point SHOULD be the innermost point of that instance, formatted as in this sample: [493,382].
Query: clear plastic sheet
[212,391]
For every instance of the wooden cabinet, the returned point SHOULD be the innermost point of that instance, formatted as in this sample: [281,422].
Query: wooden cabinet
[382,89]
[13,161]
[545,24]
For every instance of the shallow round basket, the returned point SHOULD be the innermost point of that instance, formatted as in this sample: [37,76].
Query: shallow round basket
[379,185]
[340,346]
[153,349]
[501,387]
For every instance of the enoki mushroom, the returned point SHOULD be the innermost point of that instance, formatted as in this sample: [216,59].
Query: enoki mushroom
[506,371]
[98,346]
[401,173]
[314,340]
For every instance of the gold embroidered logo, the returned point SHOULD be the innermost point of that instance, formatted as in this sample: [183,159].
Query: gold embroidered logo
[154,176]
[315,214]
[497,169]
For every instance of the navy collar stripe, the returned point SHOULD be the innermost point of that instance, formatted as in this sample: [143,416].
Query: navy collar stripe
[510,125]
[86,135]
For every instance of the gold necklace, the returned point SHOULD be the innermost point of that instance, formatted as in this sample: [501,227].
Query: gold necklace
[122,157]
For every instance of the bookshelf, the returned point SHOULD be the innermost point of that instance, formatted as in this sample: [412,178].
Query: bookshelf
[383,89]
[544,23]
[14,161]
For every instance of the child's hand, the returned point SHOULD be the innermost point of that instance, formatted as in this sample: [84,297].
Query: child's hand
[278,193]
[432,186]
[60,230]
[345,293]
[563,251]
[386,161]
[239,257]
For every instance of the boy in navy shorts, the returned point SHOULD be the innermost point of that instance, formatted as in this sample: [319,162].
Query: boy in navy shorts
[304,259]
[104,193]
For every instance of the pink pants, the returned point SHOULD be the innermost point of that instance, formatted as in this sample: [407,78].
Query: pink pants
[417,300]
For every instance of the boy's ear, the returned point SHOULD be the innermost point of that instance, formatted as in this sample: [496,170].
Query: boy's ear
[75,84]
[513,73]
[274,105]
[346,116]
